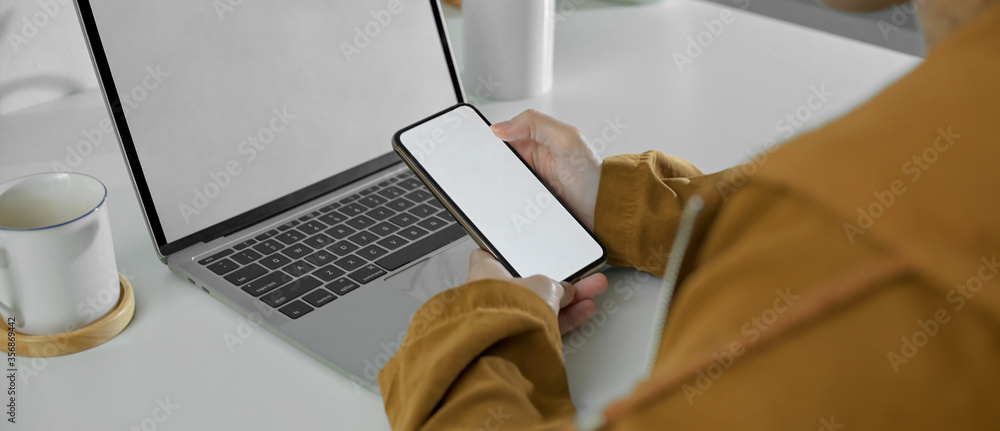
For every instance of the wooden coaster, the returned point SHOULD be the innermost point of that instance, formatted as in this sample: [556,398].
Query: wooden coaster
[94,334]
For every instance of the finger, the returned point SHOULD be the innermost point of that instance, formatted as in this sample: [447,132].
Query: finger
[535,126]
[483,265]
[569,294]
[574,315]
[590,287]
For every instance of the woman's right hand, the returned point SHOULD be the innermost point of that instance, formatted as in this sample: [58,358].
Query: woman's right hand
[559,154]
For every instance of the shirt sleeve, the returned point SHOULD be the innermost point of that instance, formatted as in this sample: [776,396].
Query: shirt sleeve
[483,355]
[487,355]
[639,203]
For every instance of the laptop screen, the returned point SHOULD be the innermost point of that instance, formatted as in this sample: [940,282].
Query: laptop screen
[232,105]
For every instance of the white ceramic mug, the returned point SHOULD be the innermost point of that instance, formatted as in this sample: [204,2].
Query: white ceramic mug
[507,47]
[57,262]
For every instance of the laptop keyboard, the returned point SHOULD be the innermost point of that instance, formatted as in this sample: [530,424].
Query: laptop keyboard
[309,262]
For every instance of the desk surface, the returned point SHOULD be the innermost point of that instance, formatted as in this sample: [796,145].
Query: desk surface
[613,65]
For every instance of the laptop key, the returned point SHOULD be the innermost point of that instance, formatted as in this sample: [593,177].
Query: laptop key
[360,222]
[403,219]
[343,248]
[223,266]
[431,223]
[288,225]
[391,192]
[311,227]
[383,183]
[400,204]
[384,228]
[296,309]
[269,246]
[366,274]
[333,218]
[290,237]
[446,216]
[372,201]
[267,283]
[298,269]
[275,261]
[420,248]
[290,291]
[412,233]
[353,209]
[423,210]
[266,235]
[319,297]
[244,244]
[348,199]
[435,203]
[350,263]
[320,258]
[318,241]
[372,252]
[418,196]
[393,242]
[410,184]
[297,251]
[363,238]
[246,274]
[329,208]
[368,191]
[328,273]
[380,213]
[340,231]
[246,256]
[310,215]
[342,286]
[215,257]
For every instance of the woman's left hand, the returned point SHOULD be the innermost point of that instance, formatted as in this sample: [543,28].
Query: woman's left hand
[574,303]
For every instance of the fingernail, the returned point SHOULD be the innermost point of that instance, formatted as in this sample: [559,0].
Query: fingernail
[500,127]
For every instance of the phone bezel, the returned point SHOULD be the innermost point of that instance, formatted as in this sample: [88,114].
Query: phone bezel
[459,215]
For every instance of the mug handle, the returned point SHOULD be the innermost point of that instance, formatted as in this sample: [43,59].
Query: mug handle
[7,310]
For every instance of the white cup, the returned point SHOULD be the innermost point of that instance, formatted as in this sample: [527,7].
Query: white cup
[507,47]
[57,262]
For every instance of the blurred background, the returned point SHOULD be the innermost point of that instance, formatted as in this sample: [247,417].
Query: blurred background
[43,55]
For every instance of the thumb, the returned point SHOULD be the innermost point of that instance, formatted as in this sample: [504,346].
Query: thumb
[535,126]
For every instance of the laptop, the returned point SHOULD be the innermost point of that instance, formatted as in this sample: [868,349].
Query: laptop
[257,137]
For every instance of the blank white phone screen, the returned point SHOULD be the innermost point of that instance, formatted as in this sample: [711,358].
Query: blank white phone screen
[500,196]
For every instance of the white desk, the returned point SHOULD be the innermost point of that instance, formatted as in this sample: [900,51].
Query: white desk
[610,63]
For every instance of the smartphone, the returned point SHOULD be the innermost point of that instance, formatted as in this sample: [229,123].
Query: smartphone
[501,202]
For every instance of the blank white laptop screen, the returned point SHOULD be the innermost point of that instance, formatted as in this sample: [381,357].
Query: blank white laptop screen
[231,106]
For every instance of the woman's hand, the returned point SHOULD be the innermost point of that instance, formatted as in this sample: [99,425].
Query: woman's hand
[574,304]
[558,153]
